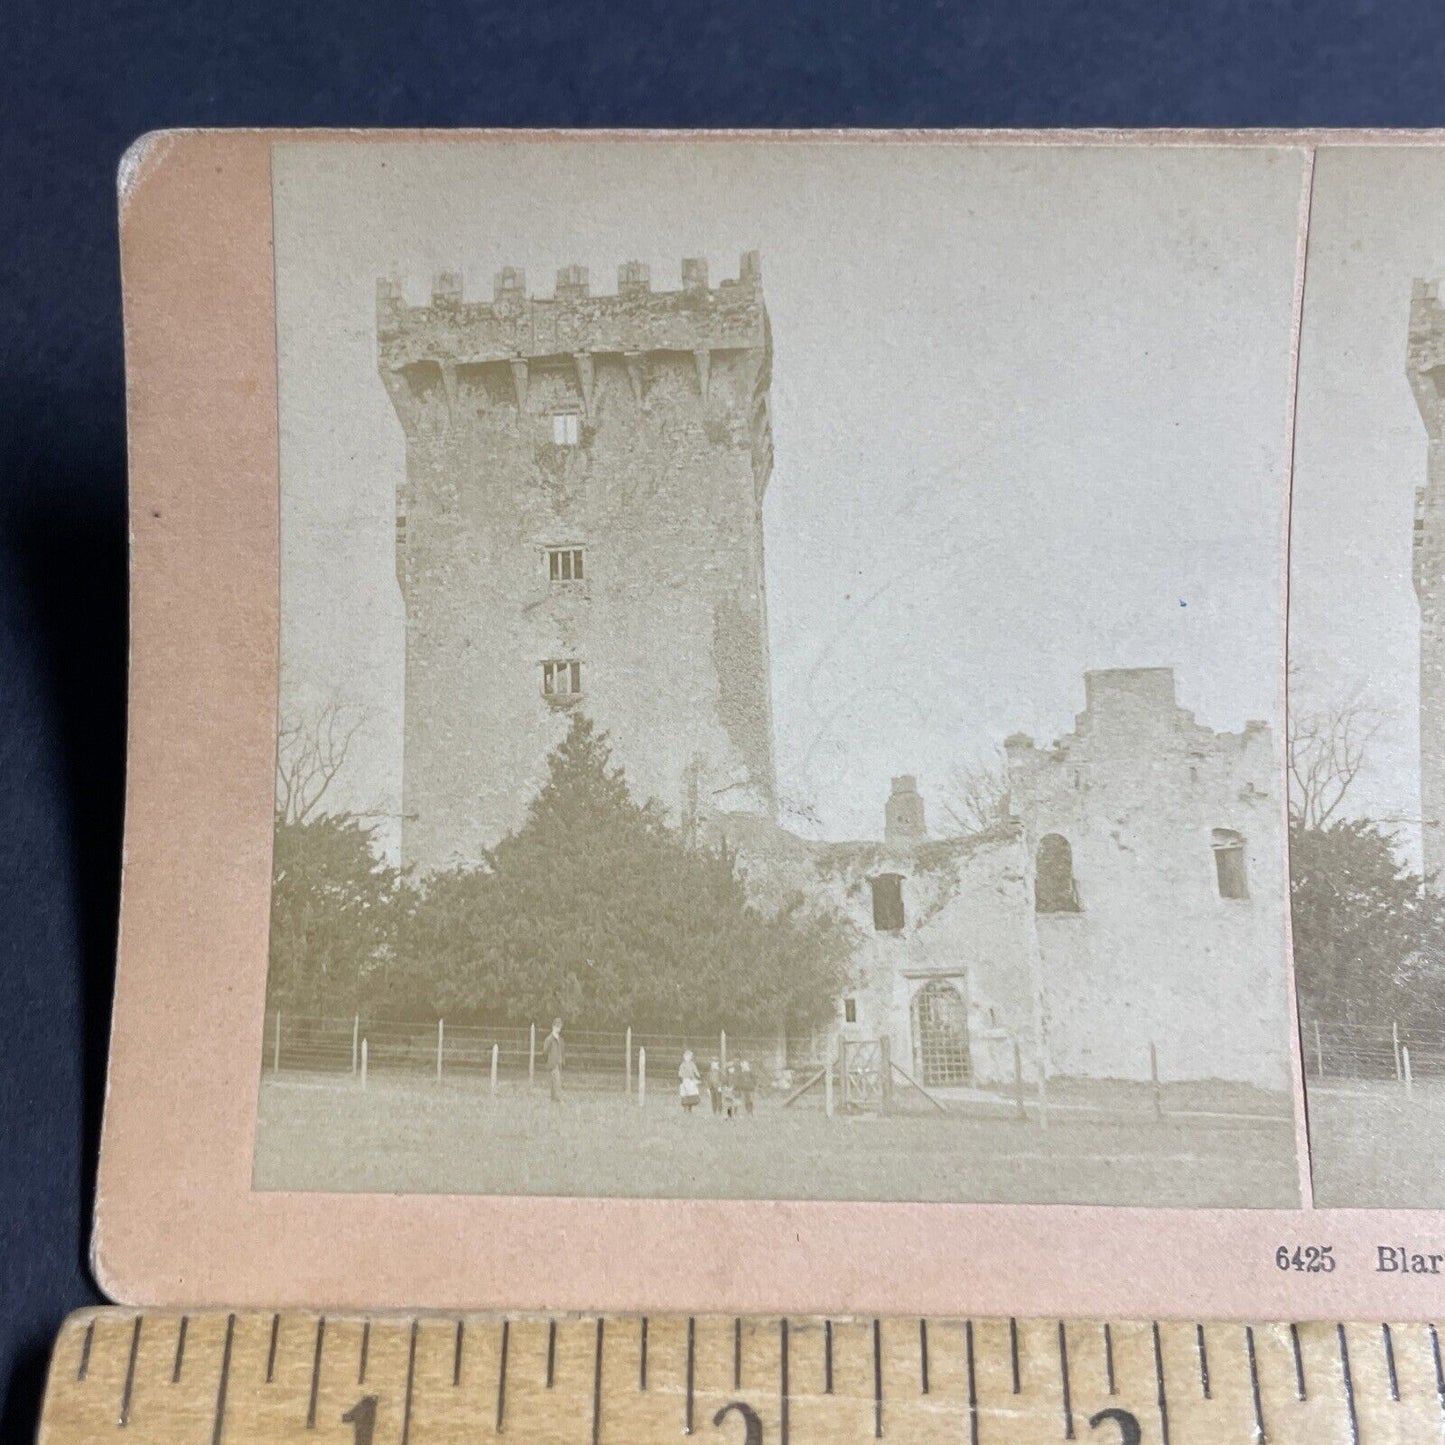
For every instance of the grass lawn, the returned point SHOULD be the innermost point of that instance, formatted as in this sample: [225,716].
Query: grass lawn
[1374,1148]
[410,1136]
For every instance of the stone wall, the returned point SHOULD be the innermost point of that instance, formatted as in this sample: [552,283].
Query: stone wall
[1154,953]
[1425,366]
[965,922]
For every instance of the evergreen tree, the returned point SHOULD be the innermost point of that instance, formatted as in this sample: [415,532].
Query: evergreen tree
[1368,934]
[596,909]
[333,916]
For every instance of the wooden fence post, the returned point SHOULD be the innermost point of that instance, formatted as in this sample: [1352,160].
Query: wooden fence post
[532,1058]
[355,1035]
[641,1077]
[1395,1039]
[722,1050]
[628,1052]
[1409,1079]
[276,1049]
[1154,1079]
[1019,1081]
[495,1051]
[363,1063]
[885,1070]
[439,1050]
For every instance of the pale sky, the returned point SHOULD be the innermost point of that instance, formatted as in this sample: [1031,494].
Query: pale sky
[1377,221]
[1030,411]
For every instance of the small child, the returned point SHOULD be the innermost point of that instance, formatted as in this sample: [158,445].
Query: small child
[689,1089]
[747,1085]
[730,1092]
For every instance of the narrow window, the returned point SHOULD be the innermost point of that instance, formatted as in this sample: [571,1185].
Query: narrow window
[850,1010]
[562,678]
[564,564]
[1055,890]
[1229,870]
[566,428]
[887,902]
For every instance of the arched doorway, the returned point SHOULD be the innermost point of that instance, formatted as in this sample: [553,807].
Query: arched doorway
[940,1034]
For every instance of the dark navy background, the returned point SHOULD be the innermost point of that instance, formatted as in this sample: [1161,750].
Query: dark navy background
[82,78]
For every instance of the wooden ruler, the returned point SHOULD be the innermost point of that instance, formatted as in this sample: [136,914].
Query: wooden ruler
[166,1377]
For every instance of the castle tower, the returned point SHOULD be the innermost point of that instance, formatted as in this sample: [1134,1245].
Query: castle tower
[580,526]
[903,815]
[1425,365]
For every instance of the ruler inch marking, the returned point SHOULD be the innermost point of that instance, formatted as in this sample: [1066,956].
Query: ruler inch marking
[923,1356]
[123,1419]
[83,1369]
[1348,1384]
[597,1388]
[642,1357]
[877,1379]
[271,1348]
[218,1427]
[365,1347]
[180,1350]
[410,1382]
[457,1357]
[1109,1360]
[551,1353]
[502,1376]
[1203,1361]
[1439,1369]
[972,1383]
[1388,1341]
[691,1371]
[828,1358]
[1013,1349]
[1067,1397]
[737,1353]
[315,1373]
[1259,1435]
[783,1388]
[1159,1384]
[1299,1363]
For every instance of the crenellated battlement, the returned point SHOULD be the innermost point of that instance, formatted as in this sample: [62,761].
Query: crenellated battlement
[515,325]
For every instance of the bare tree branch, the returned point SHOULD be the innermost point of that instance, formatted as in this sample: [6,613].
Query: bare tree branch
[311,749]
[977,797]
[1325,749]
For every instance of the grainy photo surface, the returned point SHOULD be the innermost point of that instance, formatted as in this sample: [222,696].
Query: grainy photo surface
[1367,678]
[783,672]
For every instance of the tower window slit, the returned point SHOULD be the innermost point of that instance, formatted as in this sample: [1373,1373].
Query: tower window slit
[888,915]
[1229,870]
[562,677]
[564,564]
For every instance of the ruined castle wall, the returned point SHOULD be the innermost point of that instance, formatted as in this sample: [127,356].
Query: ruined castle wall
[1155,954]
[966,921]
[662,490]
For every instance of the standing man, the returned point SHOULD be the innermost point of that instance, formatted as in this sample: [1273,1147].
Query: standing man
[552,1048]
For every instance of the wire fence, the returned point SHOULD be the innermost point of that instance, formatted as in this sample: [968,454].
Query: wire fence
[1392,1052]
[300,1043]
[788,1065]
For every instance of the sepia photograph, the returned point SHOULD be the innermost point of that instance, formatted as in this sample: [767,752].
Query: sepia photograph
[1366,739]
[783,674]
